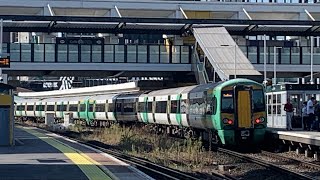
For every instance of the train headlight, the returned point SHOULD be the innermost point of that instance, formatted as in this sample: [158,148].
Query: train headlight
[225,121]
[262,119]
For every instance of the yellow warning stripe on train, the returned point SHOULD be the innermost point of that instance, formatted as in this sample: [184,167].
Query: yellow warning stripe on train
[87,165]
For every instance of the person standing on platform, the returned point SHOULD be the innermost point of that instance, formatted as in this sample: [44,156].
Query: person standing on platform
[304,115]
[289,109]
[315,125]
[310,112]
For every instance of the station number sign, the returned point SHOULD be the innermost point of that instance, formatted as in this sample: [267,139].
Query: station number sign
[5,62]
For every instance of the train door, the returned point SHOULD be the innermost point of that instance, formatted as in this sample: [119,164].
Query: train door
[243,106]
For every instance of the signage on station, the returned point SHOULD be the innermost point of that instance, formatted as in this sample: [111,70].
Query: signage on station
[5,62]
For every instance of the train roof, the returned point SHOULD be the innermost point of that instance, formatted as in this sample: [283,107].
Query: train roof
[171,91]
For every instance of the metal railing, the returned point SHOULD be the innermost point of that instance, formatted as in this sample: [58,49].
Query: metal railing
[108,53]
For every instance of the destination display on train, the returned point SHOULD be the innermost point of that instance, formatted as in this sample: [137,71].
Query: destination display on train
[5,62]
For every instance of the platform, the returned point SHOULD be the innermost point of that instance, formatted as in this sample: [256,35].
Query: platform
[298,136]
[40,154]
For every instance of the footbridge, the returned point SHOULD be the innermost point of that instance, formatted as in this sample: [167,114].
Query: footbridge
[211,46]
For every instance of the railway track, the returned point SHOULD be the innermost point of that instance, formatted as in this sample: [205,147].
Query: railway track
[271,165]
[313,168]
[153,170]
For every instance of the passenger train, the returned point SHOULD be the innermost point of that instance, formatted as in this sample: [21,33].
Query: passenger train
[229,112]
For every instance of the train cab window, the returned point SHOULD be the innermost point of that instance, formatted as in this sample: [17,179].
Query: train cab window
[29,107]
[258,101]
[100,108]
[119,106]
[149,107]
[82,107]
[227,102]
[184,106]
[73,107]
[161,107]
[90,107]
[175,106]
[50,107]
[129,106]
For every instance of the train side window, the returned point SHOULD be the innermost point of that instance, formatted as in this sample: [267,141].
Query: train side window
[90,107]
[175,106]
[50,107]
[29,107]
[161,107]
[100,107]
[149,107]
[64,107]
[59,108]
[73,107]
[197,106]
[111,107]
[209,108]
[82,107]
[184,106]
[214,105]
[141,107]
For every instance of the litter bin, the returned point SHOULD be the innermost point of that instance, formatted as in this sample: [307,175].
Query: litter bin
[6,115]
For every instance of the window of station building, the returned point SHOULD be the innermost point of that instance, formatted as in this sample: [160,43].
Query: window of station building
[82,107]
[91,107]
[73,107]
[175,106]
[29,107]
[184,106]
[161,107]
[50,107]
[100,107]
[129,107]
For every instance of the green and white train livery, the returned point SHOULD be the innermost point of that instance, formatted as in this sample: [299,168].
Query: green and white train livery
[230,112]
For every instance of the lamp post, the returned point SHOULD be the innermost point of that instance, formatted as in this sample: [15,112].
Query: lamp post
[265,59]
[275,63]
[311,61]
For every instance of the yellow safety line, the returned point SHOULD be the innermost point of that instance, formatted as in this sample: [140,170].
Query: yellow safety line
[87,165]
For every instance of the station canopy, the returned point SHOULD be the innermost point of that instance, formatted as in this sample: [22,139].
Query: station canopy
[22,23]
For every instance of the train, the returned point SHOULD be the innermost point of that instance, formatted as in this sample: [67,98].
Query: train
[229,112]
